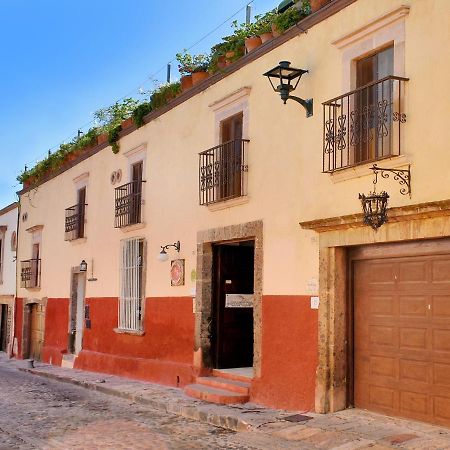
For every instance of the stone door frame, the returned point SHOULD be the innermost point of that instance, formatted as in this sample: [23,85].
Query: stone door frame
[203,300]
[336,236]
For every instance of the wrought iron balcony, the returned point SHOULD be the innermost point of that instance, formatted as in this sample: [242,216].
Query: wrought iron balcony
[128,204]
[74,222]
[30,273]
[363,125]
[222,172]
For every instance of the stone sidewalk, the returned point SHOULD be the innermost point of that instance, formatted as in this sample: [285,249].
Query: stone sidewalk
[346,430]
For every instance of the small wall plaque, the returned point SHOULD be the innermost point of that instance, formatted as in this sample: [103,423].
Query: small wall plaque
[177,272]
[239,301]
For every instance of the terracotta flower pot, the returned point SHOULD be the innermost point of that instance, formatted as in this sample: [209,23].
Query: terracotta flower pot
[275,32]
[28,182]
[198,77]
[266,36]
[317,4]
[252,43]
[186,82]
[127,123]
[102,138]
[222,62]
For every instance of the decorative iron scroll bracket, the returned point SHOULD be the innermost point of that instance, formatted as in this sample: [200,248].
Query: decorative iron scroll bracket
[403,176]
[307,104]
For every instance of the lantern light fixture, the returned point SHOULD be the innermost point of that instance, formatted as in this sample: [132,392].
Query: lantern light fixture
[163,256]
[375,204]
[83,266]
[286,79]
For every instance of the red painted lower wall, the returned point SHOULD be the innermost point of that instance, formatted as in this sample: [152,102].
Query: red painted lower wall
[163,354]
[289,354]
[56,330]
[18,326]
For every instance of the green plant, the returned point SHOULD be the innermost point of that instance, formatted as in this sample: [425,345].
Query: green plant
[113,115]
[189,64]
[140,112]
[263,23]
[163,94]
[113,137]
[286,19]
[87,139]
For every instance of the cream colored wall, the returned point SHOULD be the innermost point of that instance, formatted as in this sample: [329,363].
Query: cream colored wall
[285,183]
[8,286]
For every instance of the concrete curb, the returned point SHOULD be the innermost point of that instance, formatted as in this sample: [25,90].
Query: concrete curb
[200,413]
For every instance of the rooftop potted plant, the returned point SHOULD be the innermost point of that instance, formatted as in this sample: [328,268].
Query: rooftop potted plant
[263,26]
[285,20]
[249,33]
[196,65]
[185,67]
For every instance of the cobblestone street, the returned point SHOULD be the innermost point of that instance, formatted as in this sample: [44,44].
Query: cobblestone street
[47,414]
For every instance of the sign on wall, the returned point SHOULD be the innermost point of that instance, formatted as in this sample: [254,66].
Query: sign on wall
[239,301]
[177,272]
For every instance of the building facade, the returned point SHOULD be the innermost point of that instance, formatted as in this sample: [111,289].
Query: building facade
[256,207]
[8,247]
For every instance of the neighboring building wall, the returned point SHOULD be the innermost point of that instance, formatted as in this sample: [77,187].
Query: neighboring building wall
[8,237]
[285,187]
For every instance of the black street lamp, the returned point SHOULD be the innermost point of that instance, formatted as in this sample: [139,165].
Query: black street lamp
[286,80]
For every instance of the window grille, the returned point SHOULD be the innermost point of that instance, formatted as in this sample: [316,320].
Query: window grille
[131,284]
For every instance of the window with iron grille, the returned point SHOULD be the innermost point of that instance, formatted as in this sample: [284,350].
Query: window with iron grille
[131,284]
[364,125]
[75,218]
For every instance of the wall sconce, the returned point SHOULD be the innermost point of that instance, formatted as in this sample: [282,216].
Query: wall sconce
[83,266]
[285,77]
[163,256]
[375,204]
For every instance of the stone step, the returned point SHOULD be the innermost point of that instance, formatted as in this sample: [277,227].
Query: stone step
[215,395]
[231,375]
[223,383]
[68,360]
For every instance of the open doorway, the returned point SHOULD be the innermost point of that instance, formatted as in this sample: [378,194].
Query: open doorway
[232,305]
[76,324]
[3,327]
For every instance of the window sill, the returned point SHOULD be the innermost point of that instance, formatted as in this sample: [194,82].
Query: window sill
[33,289]
[132,332]
[135,226]
[364,169]
[229,203]
[78,241]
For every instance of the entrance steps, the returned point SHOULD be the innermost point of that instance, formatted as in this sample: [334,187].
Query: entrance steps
[68,360]
[223,387]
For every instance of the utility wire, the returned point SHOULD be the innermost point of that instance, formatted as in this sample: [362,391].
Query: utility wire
[151,77]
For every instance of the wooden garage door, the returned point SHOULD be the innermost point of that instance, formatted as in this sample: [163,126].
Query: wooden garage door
[402,337]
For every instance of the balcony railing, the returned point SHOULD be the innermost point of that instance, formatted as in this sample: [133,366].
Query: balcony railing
[30,273]
[222,172]
[128,204]
[363,125]
[74,222]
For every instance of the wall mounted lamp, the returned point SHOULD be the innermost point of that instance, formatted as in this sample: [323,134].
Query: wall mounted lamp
[163,256]
[83,266]
[286,80]
[375,204]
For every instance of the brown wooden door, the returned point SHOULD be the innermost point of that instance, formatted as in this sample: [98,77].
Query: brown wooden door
[81,211]
[36,331]
[232,333]
[402,337]
[231,157]
[373,142]
[137,177]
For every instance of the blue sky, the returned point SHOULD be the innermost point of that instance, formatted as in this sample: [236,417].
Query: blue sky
[63,59]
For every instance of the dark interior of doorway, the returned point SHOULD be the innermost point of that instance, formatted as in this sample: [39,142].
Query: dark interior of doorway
[232,327]
[3,327]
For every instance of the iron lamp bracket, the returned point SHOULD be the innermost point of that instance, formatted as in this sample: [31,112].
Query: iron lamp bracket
[176,246]
[307,104]
[403,176]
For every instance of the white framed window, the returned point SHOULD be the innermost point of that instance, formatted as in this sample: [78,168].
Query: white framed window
[132,284]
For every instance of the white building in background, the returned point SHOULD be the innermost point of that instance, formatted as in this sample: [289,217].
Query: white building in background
[8,246]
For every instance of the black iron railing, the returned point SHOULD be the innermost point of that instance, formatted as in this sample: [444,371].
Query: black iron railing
[128,204]
[222,172]
[74,222]
[363,125]
[30,273]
